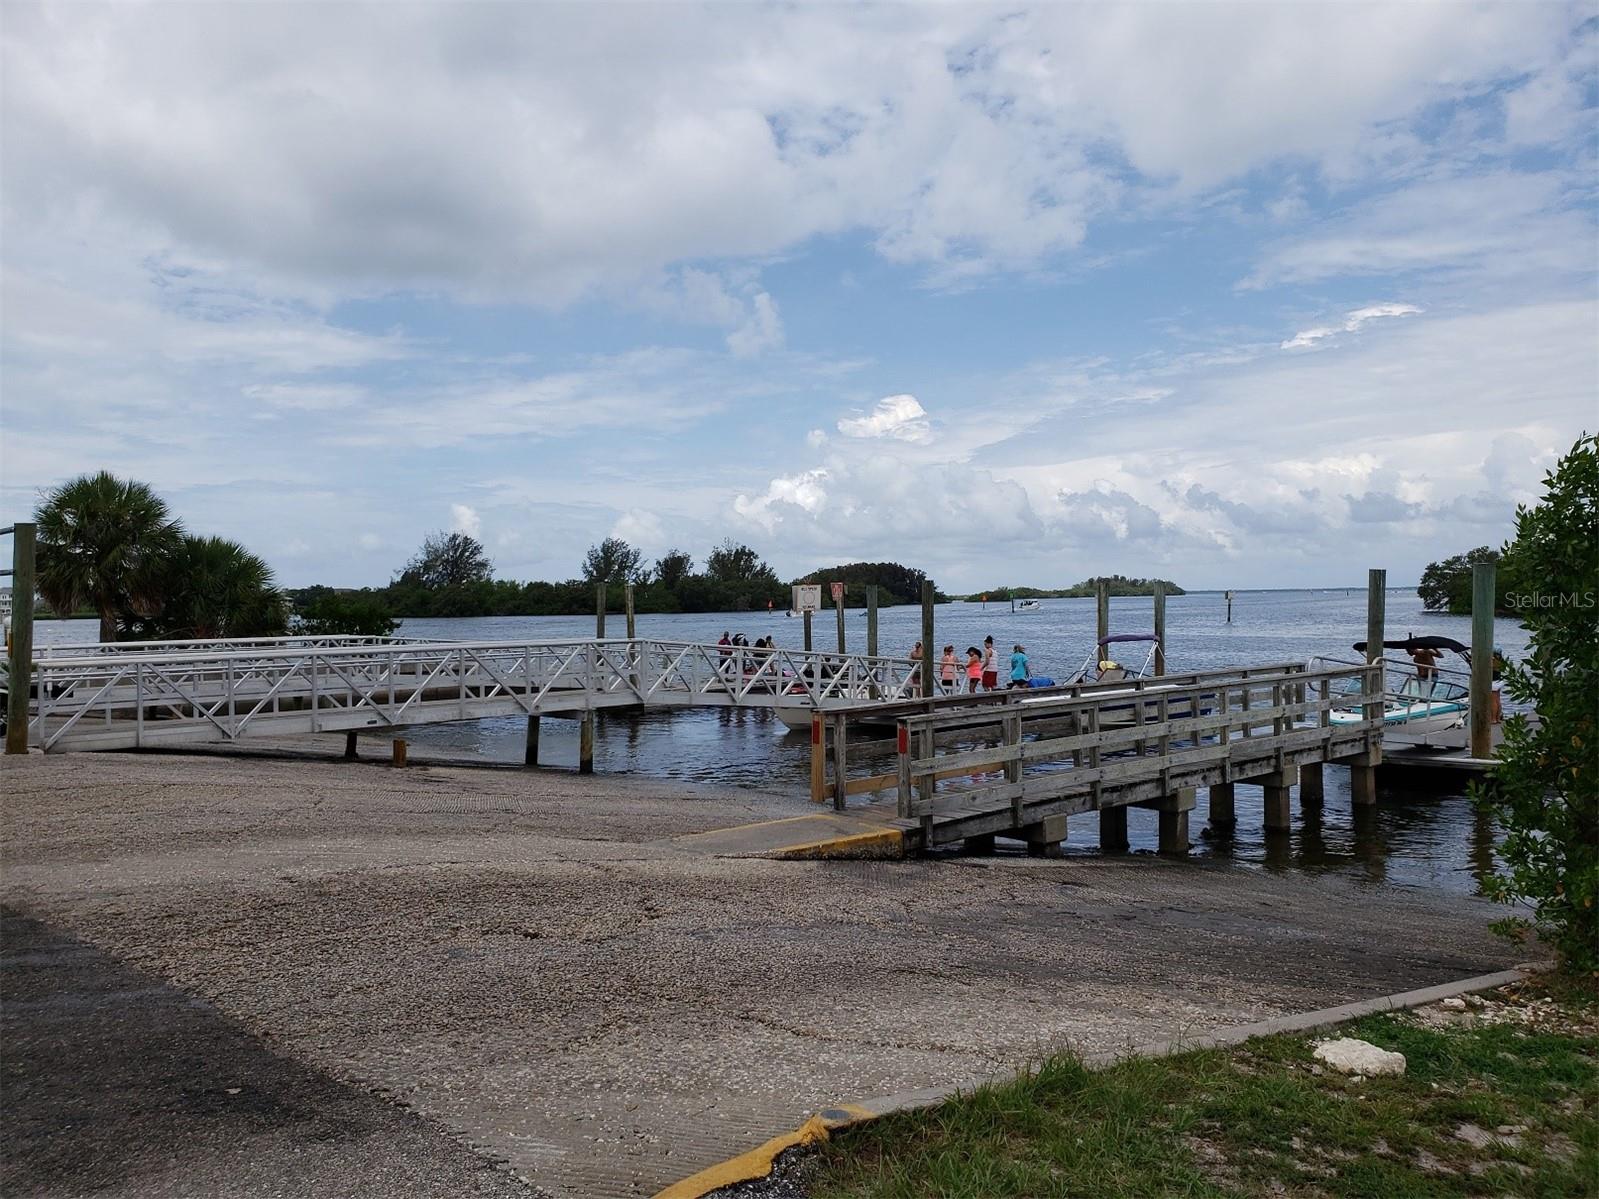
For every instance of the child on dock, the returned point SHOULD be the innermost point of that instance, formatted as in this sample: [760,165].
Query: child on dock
[946,670]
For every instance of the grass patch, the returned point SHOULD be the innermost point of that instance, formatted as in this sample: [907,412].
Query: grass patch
[1487,1106]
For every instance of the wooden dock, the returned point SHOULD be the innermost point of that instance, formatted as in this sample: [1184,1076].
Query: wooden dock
[1021,765]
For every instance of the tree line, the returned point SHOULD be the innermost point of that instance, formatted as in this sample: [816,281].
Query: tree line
[1116,584]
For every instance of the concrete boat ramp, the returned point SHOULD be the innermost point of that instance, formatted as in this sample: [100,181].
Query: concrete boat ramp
[314,977]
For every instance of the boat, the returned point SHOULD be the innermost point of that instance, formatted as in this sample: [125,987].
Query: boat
[1028,605]
[1100,667]
[1425,701]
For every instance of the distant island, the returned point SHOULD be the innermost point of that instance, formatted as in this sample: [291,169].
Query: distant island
[1118,585]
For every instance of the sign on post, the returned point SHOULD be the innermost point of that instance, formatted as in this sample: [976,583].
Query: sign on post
[807,597]
[838,595]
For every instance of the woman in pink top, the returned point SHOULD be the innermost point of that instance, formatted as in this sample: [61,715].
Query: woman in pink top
[974,668]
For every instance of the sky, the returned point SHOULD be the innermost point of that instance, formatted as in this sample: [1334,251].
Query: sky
[1239,295]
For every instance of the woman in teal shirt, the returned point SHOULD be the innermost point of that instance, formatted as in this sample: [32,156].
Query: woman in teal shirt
[1018,667]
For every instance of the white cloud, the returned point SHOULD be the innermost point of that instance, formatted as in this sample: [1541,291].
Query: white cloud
[464,519]
[899,416]
[1352,322]
[360,150]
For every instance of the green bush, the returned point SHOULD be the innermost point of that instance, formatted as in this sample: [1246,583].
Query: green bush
[1545,790]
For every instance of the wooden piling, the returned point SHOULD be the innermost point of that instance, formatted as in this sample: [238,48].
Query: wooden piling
[632,622]
[1113,830]
[1363,770]
[530,753]
[1277,800]
[929,651]
[1174,833]
[807,632]
[1480,708]
[838,611]
[1223,810]
[1311,784]
[20,664]
[399,751]
[1160,628]
[349,747]
[840,763]
[585,744]
[1044,838]
[1101,613]
[818,758]
[871,620]
[599,608]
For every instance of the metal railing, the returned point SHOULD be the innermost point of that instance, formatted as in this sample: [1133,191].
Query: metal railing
[220,692]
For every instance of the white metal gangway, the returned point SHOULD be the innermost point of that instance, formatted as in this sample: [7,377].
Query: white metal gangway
[135,695]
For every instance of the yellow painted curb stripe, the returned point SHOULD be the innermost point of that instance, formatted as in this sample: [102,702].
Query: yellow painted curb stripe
[757,1163]
[890,839]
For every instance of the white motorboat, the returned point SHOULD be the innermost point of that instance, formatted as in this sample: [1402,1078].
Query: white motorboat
[1028,605]
[1429,698]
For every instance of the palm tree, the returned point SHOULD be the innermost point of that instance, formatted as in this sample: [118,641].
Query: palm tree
[103,543]
[217,588]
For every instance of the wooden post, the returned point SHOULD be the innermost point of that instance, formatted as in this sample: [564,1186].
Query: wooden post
[399,751]
[1363,772]
[871,620]
[1229,607]
[632,623]
[1101,613]
[838,610]
[1044,838]
[1160,628]
[807,632]
[20,680]
[530,753]
[818,758]
[1311,785]
[929,652]
[599,608]
[349,747]
[585,743]
[1482,659]
[1113,830]
[1223,812]
[1173,832]
[1277,801]
[840,763]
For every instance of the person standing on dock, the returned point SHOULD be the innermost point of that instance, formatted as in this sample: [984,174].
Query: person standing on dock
[946,670]
[990,666]
[915,660]
[974,668]
[1018,667]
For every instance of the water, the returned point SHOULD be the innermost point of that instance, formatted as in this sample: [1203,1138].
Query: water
[1419,835]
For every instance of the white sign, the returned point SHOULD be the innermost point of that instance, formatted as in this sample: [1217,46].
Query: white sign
[838,594]
[807,597]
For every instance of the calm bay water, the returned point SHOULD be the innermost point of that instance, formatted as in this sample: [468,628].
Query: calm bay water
[1422,833]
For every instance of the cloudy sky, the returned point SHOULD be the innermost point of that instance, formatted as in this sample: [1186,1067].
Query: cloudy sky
[1236,294]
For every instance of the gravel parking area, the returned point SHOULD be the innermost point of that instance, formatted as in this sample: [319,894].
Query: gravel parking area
[531,962]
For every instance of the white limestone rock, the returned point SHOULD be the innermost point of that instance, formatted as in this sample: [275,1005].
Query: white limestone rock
[1352,1056]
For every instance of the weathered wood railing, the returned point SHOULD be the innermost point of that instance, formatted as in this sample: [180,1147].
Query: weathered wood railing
[854,734]
[1110,748]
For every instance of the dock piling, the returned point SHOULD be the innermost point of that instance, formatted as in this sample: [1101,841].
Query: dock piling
[585,743]
[1160,628]
[1223,809]
[1311,784]
[838,612]
[349,747]
[399,751]
[807,632]
[929,651]
[1113,830]
[818,758]
[1277,788]
[1363,768]
[20,664]
[871,620]
[1044,838]
[632,622]
[530,753]
[599,609]
[1101,613]
[1480,707]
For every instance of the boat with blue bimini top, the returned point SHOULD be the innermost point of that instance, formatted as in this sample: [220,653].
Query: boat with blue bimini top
[1419,696]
